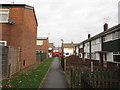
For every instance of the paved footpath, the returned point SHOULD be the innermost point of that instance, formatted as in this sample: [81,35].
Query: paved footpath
[56,77]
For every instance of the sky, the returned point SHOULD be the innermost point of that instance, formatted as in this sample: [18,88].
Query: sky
[71,20]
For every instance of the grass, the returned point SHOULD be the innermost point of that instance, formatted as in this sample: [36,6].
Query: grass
[30,79]
[67,74]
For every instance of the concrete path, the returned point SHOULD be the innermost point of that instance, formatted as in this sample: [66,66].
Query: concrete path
[55,78]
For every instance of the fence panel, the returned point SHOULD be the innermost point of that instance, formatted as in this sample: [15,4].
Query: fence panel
[11,63]
[100,77]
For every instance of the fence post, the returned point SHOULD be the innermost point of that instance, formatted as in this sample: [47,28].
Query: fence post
[65,64]
[71,76]
[91,66]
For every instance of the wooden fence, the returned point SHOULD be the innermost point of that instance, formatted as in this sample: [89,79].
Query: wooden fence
[89,73]
[11,63]
[101,78]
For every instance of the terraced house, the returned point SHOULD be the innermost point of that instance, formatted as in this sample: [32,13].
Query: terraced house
[19,29]
[42,45]
[104,47]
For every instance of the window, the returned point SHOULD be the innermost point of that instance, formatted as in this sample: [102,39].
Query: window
[4,15]
[104,38]
[115,35]
[39,42]
[23,62]
[119,34]
[39,51]
[3,43]
[116,58]
[93,55]
[88,55]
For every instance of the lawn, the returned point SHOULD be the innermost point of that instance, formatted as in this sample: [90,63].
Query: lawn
[30,79]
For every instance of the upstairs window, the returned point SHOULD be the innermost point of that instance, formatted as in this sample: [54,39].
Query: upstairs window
[4,15]
[115,35]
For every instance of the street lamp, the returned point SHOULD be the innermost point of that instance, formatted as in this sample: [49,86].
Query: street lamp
[62,57]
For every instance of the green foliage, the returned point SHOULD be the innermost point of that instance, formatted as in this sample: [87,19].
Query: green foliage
[30,79]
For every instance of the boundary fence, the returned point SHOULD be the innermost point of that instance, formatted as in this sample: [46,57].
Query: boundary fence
[86,73]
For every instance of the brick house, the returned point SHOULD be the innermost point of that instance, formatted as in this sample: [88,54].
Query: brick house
[19,28]
[50,49]
[43,44]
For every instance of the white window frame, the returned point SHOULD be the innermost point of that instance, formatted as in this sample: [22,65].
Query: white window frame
[4,42]
[7,13]
[39,42]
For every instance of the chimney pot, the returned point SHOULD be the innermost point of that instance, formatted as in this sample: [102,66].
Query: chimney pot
[89,36]
[105,27]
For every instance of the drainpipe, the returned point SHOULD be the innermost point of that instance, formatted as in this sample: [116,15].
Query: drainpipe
[78,50]
[89,36]
[90,49]
[101,54]
[83,49]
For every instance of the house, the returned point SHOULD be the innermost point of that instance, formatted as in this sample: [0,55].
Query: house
[104,47]
[18,25]
[50,49]
[69,48]
[57,51]
[43,45]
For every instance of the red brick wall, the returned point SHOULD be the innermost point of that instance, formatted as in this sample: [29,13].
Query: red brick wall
[22,34]
[44,47]
[29,35]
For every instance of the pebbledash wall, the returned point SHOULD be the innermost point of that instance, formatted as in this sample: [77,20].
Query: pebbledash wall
[20,31]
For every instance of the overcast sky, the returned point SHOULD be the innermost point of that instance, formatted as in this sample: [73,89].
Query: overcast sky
[71,20]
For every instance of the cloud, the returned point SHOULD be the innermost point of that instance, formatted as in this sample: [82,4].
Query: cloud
[72,20]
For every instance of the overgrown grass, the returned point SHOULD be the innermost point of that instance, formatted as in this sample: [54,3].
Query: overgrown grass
[30,79]
[67,74]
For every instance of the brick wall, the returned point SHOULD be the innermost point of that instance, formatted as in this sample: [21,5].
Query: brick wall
[22,34]
[44,47]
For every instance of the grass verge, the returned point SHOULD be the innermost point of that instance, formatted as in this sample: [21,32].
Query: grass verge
[30,79]
[67,74]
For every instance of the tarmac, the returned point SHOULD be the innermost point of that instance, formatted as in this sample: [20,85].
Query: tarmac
[55,77]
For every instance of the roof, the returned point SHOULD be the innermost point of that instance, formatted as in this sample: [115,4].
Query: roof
[42,38]
[69,45]
[51,45]
[110,30]
[20,6]
[57,48]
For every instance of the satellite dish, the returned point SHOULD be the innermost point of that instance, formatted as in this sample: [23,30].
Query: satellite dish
[11,22]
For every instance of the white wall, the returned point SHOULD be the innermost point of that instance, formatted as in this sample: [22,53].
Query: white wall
[81,46]
[107,38]
[97,56]
[77,48]
[68,50]
[96,45]
[110,56]
[87,47]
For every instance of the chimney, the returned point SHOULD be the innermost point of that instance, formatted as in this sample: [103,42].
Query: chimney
[105,27]
[89,36]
